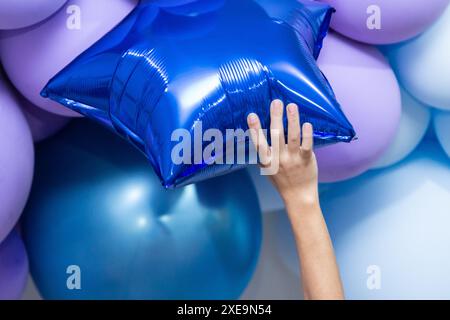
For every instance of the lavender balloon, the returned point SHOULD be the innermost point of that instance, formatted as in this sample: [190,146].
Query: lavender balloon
[13,267]
[384,21]
[16,160]
[15,14]
[32,56]
[368,91]
[414,123]
[42,124]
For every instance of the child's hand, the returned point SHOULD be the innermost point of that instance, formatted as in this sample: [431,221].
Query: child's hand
[297,177]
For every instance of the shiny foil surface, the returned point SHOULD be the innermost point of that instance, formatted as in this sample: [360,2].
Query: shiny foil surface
[203,65]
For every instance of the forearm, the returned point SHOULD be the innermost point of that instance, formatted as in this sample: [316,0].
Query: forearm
[296,180]
[320,274]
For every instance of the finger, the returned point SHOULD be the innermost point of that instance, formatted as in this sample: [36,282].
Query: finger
[258,138]
[293,127]
[307,138]
[276,124]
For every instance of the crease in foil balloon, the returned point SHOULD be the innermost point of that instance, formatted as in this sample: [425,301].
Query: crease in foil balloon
[203,65]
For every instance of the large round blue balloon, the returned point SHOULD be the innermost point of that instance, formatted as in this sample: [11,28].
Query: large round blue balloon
[100,226]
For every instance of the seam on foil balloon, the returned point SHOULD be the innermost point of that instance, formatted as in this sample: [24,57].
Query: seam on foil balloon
[149,77]
[147,89]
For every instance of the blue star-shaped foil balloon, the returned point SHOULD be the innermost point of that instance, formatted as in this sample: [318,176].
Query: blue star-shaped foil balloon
[203,65]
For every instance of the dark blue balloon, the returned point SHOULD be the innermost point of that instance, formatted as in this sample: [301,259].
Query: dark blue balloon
[205,63]
[96,205]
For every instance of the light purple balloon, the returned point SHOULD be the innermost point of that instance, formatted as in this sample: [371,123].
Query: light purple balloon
[368,91]
[398,20]
[32,56]
[13,267]
[42,124]
[15,14]
[16,159]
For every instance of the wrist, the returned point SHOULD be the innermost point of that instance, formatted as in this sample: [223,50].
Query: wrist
[302,200]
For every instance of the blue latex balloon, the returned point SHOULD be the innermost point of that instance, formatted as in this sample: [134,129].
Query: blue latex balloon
[96,205]
[442,128]
[199,66]
[170,3]
[189,7]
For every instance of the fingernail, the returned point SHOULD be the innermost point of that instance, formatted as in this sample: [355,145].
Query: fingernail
[252,118]
[277,106]
[292,109]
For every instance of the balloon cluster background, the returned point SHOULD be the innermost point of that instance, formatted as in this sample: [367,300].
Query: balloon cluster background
[386,196]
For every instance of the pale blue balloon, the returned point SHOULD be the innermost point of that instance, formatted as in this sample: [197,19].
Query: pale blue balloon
[390,229]
[442,128]
[285,241]
[422,64]
[414,123]
[269,198]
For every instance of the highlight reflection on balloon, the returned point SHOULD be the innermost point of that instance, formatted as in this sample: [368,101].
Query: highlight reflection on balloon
[161,70]
[97,205]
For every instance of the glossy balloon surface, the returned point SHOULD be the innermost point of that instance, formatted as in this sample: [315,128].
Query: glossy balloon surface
[203,68]
[97,205]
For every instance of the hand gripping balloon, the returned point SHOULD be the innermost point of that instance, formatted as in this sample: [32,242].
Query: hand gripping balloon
[170,75]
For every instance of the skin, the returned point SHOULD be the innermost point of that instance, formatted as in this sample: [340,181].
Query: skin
[297,182]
